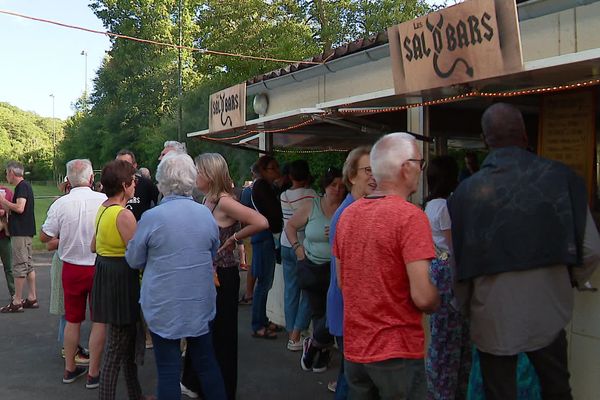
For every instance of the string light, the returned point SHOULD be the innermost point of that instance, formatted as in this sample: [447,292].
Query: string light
[471,94]
[310,151]
[475,93]
[163,44]
[255,131]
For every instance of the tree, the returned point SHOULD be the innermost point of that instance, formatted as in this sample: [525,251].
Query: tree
[135,98]
[28,138]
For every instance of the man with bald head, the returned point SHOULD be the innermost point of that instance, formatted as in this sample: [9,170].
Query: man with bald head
[522,234]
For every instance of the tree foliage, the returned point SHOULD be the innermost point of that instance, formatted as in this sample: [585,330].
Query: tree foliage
[28,138]
[135,99]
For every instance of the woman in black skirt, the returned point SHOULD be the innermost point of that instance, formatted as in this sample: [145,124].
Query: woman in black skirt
[116,289]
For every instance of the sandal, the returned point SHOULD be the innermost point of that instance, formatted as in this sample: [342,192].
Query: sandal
[31,303]
[266,334]
[273,327]
[245,301]
[12,308]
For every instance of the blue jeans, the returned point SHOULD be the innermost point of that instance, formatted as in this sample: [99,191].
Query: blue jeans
[263,269]
[168,365]
[296,307]
[62,323]
[341,390]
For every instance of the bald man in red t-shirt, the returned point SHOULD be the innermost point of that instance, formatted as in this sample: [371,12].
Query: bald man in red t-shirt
[383,247]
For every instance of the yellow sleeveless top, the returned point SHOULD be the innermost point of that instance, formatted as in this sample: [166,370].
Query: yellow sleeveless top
[108,239]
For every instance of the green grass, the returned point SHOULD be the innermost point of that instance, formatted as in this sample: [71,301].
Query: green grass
[44,196]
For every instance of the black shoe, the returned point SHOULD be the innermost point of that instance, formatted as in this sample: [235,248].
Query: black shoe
[71,376]
[308,354]
[320,365]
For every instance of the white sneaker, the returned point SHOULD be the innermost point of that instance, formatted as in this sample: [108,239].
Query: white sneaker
[188,392]
[294,346]
[332,386]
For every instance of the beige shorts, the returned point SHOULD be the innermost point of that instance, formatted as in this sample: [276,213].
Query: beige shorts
[21,252]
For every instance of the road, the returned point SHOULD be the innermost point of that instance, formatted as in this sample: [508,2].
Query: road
[31,367]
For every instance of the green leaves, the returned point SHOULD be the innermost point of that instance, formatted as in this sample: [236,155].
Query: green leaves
[135,101]
[27,137]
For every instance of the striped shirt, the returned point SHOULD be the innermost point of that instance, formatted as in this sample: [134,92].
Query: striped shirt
[292,200]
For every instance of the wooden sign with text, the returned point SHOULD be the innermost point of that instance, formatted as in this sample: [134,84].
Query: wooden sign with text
[455,45]
[227,109]
[567,131]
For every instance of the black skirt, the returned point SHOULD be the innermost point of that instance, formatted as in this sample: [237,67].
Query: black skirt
[116,292]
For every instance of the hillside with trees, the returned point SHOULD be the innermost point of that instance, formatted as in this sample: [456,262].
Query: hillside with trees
[28,138]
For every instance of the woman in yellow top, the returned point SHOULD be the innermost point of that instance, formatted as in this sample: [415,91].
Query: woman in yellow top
[116,290]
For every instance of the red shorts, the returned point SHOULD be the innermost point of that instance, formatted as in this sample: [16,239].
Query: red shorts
[77,285]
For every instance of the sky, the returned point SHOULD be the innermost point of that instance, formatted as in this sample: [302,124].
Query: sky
[38,60]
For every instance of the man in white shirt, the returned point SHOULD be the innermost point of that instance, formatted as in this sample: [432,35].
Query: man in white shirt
[71,218]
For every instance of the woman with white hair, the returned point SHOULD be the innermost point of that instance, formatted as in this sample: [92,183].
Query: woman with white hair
[175,245]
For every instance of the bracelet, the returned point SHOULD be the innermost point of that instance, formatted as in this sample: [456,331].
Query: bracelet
[296,245]
[237,241]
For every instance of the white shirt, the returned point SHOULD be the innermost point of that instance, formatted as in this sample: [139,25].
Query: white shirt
[71,218]
[439,219]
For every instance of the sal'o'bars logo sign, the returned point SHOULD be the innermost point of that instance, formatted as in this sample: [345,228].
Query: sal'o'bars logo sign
[455,45]
[227,109]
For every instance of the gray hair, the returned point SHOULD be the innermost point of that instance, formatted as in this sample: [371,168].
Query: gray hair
[16,168]
[145,172]
[79,172]
[177,146]
[389,153]
[176,174]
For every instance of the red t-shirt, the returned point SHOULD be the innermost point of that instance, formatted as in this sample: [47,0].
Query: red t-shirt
[9,196]
[375,239]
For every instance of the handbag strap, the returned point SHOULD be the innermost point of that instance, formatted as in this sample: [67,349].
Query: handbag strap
[100,217]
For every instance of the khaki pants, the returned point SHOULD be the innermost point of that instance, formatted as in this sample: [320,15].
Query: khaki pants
[22,256]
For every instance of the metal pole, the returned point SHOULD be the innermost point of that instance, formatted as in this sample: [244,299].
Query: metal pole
[53,141]
[84,53]
[179,78]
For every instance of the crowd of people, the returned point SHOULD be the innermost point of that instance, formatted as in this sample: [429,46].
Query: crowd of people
[361,266]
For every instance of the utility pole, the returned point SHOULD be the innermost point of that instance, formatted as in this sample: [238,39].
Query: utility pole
[179,78]
[53,141]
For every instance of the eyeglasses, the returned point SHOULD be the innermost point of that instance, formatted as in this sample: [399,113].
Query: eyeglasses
[422,162]
[368,170]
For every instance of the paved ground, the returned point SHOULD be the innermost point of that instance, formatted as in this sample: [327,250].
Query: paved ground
[31,368]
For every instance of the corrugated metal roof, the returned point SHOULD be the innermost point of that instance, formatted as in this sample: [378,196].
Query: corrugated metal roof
[338,52]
